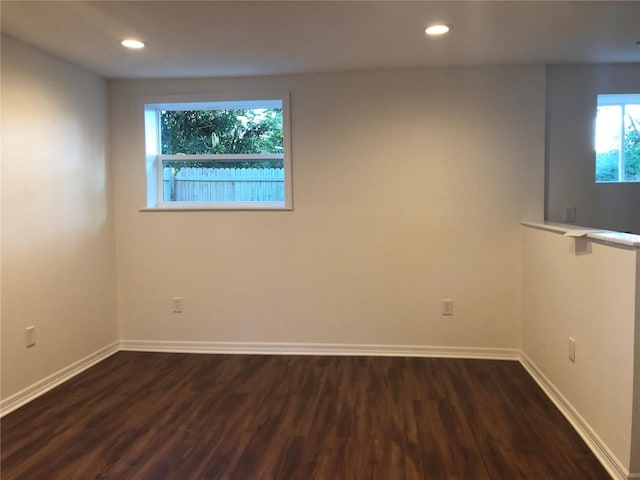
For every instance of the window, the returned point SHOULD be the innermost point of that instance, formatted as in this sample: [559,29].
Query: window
[618,138]
[218,153]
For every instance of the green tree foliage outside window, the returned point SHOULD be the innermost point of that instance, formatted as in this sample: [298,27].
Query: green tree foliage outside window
[607,166]
[632,155]
[210,132]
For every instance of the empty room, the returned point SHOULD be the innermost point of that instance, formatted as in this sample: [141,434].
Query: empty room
[320,240]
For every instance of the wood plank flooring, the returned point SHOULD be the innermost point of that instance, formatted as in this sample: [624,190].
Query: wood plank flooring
[184,416]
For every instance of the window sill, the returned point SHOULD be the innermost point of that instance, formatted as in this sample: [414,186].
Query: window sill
[219,207]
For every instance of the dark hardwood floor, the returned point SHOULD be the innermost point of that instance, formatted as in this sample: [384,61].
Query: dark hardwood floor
[184,416]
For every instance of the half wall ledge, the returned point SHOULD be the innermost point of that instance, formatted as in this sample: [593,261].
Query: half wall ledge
[616,239]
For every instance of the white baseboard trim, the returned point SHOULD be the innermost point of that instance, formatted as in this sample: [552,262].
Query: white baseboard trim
[319,349]
[579,424]
[32,392]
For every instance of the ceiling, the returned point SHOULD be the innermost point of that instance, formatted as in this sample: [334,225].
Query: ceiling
[236,38]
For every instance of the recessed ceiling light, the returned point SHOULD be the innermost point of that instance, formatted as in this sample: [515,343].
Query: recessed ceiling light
[438,29]
[131,43]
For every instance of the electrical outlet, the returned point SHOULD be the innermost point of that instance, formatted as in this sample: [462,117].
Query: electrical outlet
[569,214]
[31,336]
[447,306]
[572,349]
[178,304]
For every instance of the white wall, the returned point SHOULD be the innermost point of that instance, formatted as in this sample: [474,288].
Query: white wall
[582,289]
[635,434]
[572,92]
[57,234]
[409,186]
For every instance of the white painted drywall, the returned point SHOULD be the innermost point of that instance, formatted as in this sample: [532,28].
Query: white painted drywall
[635,434]
[409,186]
[586,290]
[58,258]
[572,92]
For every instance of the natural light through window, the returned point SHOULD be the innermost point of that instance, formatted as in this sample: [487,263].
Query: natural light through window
[218,154]
[617,138]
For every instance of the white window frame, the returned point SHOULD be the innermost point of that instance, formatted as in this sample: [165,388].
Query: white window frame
[618,100]
[155,159]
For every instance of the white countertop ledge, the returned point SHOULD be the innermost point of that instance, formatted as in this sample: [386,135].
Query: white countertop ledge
[606,236]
